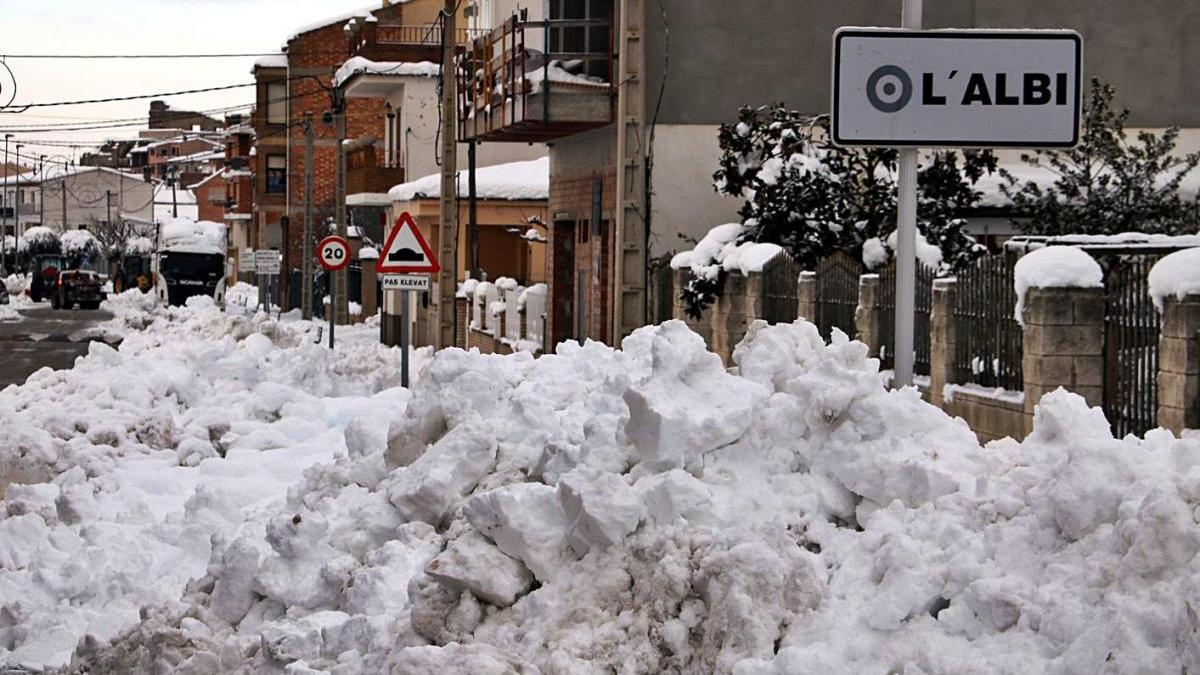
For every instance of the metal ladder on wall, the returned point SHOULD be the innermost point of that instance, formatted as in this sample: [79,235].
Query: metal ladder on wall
[629,279]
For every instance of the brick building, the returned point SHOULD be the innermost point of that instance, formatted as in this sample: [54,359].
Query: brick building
[183,153]
[163,117]
[300,80]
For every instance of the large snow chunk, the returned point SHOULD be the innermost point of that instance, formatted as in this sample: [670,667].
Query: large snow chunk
[473,563]
[477,659]
[1175,275]
[449,469]
[526,522]
[689,405]
[601,508]
[1055,267]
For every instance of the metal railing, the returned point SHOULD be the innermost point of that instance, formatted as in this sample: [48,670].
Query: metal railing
[837,294]
[428,35]
[1132,327]
[990,340]
[887,317]
[781,289]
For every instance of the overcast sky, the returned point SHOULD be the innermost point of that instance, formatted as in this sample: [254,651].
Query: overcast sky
[137,26]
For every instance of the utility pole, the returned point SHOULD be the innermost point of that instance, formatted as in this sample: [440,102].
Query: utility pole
[62,189]
[7,205]
[447,280]
[906,239]
[340,299]
[306,292]
[174,203]
[472,214]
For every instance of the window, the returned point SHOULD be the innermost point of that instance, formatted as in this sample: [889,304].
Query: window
[277,103]
[276,174]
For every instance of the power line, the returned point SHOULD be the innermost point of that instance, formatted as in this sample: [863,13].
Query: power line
[26,106]
[163,56]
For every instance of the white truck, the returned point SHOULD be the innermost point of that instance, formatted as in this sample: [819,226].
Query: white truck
[189,259]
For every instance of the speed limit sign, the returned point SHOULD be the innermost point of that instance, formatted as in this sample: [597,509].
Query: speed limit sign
[333,253]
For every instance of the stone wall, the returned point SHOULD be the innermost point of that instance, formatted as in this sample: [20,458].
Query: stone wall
[990,417]
[1063,344]
[1179,365]
[724,323]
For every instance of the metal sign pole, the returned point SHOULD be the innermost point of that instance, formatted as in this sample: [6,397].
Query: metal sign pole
[906,241]
[404,339]
[332,306]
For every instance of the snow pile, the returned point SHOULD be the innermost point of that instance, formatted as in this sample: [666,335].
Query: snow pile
[1054,267]
[514,181]
[557,74]
[1177,274]
[186,234]
[719,250]
[359,65]
[138,461]
[15,284]
[596,510]
[8,313]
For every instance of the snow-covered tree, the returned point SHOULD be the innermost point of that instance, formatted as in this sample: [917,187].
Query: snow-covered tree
[814,198]
[1109,183]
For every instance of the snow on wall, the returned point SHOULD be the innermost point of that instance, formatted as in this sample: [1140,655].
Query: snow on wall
[1054,267]
[513,181]
[360,65]
[1177,274]
[719,250]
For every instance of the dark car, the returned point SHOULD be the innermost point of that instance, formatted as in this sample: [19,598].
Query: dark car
[82,287]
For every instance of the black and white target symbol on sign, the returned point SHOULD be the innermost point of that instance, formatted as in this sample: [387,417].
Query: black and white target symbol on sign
[889,89]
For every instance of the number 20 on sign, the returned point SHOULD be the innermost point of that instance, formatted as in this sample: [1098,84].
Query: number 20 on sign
[333,253]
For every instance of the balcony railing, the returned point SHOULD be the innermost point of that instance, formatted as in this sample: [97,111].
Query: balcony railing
[428,35]
[367,172]
[509,91]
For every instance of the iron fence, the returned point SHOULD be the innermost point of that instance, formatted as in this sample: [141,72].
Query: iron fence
[887,317]
[781,289]
[990,339]
[1132,327]
[837,293]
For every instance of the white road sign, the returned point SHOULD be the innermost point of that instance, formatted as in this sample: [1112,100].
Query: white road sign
[956,88]
[267,262]
[405,282]
[246,261]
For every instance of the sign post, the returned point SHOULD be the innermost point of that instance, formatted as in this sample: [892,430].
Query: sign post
[334,255]
[949,89]
[267,265]
[404,265]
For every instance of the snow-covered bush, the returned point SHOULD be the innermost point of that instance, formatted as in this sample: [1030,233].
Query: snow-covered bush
[814,198]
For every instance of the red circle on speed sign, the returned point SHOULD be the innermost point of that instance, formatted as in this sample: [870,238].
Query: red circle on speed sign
[333,253]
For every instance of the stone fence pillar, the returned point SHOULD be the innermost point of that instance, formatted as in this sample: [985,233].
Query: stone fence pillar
[943,339]
[806,291]
[867,319]
[1179,365]
[370,299]
[1063,344]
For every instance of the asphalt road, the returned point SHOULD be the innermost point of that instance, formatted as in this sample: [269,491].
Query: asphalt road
[46,337]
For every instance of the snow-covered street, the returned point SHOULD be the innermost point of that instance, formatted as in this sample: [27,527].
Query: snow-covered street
[222,495]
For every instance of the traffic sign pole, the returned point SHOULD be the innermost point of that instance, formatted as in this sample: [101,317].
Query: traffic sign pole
[404,339]
[332,309]
[906,240]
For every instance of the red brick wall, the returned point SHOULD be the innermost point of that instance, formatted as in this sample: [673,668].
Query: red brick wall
[205,194]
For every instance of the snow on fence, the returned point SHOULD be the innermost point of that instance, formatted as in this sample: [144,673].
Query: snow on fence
[534,299]
[491,295]
[512,315]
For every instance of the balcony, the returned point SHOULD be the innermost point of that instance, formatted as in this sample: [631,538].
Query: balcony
[509,92]
[410,43]
[429,35]
[367,172]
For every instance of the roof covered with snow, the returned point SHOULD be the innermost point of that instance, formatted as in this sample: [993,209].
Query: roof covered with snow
[359,66]
[279,60]
[514,181]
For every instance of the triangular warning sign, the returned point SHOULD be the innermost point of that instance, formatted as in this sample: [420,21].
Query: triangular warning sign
[406,251]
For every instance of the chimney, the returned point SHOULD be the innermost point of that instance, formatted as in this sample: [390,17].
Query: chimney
[387,3]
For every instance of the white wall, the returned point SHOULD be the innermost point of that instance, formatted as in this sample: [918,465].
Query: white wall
[684,202]
[417,103]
